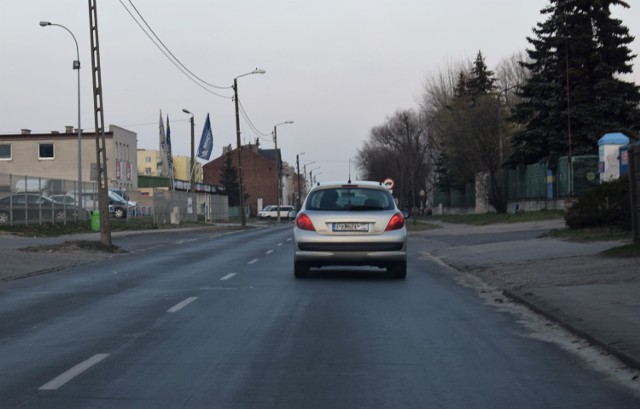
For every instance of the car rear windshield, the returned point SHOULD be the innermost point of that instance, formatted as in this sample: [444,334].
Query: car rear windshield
[350,198]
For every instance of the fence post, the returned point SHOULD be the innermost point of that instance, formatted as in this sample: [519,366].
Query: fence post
[634,184]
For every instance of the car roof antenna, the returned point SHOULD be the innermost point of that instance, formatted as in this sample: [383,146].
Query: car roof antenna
[349,181]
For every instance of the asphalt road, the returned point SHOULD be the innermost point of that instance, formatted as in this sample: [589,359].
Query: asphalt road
[216,320]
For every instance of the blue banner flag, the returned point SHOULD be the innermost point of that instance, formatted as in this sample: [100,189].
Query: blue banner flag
[163,149]
[206,141]
[168,149]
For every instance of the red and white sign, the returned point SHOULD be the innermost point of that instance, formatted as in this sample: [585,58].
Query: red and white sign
[388,183]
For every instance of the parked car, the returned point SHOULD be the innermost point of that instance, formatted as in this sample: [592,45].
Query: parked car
[124,195]
[116,194]
[354,223]
[118,207]
[271,212]
[35,207]
[64,199]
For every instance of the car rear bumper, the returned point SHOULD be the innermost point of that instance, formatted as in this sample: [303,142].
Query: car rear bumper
[316,250]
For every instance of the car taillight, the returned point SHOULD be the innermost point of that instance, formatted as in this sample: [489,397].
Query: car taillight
[304,222]
[396,222]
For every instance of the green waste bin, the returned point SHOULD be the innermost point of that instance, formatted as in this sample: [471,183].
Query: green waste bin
[95,220]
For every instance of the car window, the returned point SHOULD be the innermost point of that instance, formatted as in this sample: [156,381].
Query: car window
[31,199]
[350,198]
[18,199]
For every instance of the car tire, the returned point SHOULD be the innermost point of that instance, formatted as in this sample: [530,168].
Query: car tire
[119,213]
[398,269]
[5,217]
[300,269]
[59,215]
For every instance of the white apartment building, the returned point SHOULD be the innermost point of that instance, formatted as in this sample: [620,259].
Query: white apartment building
[55,155]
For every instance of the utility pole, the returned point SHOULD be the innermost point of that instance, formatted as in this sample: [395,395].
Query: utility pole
[98,113]
[298,177]
[243,219]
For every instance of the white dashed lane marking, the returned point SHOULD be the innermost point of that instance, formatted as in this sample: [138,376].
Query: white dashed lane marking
[182,304]
[228,276]
[269,251]
[255,260]
[65,377]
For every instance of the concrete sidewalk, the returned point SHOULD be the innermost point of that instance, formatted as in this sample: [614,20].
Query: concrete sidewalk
[597,298]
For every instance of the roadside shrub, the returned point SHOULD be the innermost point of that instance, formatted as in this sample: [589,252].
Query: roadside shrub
[608,204]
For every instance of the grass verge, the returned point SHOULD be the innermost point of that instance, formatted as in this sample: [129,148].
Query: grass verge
[627,251]
[62,229]
[590,234]
[496,218]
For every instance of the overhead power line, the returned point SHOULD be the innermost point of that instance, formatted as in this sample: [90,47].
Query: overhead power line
[251,125]
[150,33]
[170,56]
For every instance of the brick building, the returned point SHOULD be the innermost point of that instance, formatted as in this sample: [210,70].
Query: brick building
[258,174]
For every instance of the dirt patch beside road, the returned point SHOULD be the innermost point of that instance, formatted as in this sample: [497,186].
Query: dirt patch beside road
[75,246]
[565,271]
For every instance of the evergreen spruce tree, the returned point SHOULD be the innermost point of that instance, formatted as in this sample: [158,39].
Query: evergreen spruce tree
[481,80]
[229,180]
[461,86]
[575,92]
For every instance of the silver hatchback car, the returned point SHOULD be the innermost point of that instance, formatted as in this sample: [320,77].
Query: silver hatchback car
[354,223]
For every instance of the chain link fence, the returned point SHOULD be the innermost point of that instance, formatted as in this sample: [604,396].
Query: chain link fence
[28,199]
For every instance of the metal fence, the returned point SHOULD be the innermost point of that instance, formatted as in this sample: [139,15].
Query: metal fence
[28,199]
[35,200]
[532,182]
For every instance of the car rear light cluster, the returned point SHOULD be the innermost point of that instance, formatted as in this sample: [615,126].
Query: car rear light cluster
[304,222]
[396,222]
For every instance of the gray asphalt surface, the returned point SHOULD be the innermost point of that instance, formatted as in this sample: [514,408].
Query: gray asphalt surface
[190,320]
[597,298]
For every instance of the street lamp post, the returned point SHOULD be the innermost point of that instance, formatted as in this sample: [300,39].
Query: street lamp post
[298,177]
[243,219]
[278,165]
[76,66]
[305,174]
[193,159]
[311,174]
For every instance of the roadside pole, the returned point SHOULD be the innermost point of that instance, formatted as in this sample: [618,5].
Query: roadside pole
[634,184]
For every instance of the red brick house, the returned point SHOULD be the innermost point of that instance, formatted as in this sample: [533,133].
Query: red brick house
[258,174]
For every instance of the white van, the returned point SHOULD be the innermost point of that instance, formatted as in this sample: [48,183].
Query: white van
[271,212]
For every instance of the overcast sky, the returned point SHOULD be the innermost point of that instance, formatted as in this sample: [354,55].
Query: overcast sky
[335,67]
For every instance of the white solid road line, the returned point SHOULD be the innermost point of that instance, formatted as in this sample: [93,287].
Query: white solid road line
[182,304]
[228,276]
[61,379]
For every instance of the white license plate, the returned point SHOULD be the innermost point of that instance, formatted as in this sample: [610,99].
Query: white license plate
[351,227]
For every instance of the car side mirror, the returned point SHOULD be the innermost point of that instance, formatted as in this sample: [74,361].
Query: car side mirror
[292,214]
[406,214]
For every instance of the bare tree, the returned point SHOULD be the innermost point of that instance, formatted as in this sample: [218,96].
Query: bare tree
[469,124]
[398,149]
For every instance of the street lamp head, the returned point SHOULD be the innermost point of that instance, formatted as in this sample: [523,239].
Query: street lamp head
[283,123]
[186,111]
[45,23]
[256,71]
